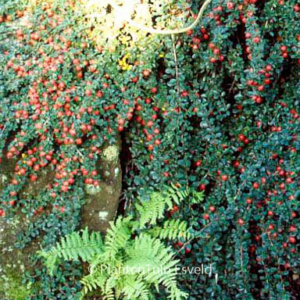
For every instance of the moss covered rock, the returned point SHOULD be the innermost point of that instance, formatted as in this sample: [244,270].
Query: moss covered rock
[14,262]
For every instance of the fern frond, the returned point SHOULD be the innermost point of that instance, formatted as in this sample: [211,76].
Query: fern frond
[111,282]
[51,260]
[93,281]
[179,195]
[196,197]
[75,246]
[177,294]
[176,194]
[135,288]
[172,229]
[109,296]
[152,261]
[152,210]
[117,236]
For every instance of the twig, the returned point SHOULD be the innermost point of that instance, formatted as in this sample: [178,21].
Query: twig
[176,63]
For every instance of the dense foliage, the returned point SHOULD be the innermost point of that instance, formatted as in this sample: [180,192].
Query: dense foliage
[215,109]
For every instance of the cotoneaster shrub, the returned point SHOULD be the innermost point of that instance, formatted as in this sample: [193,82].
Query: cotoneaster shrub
[215,109]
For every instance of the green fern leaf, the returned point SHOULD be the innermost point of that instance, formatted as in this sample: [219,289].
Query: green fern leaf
[171,229]
[77,245]
[117,236]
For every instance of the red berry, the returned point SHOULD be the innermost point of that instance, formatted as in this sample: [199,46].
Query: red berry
[268,68]
[292,239]
[241,137]
[198,163]
[88,93]
[224,177]
[202,187]
[187,250]
[146,73]
[283,48]
[249,201]
[206,216]
[230,5]
[241,222]
[212,208]
[12,203]
[154,90]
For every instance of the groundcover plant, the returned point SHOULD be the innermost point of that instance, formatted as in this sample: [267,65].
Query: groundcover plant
[200,127]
